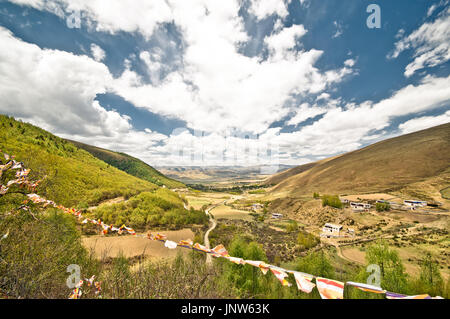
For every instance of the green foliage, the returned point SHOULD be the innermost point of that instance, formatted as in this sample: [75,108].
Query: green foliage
[316,195]
[393,275]
[131,165]
[381,207]
[430,280]
[307,240]
[292,226]
[185,277]
[35,255]
[149,209]
[332,201]
[70,175]
[245,280]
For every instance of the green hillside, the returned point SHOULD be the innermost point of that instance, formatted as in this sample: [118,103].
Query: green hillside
[73,176]
[131,165]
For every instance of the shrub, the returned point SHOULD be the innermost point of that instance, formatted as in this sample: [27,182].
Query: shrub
[381,207]
[332,201]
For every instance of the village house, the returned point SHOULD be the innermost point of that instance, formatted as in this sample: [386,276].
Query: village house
[360,206]
[331,230]
[413,204]
[257,206]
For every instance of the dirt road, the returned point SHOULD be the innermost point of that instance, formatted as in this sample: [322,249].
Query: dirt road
[213,225]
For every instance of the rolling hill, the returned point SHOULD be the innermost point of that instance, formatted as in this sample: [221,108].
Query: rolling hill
[129,164]
[71,176]
[417,164]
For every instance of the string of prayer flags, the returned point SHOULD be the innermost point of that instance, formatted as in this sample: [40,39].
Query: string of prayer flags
[330,289]
[304,282]
[199,247]
[366,287]
[236,260]
[170,244]
[393,295]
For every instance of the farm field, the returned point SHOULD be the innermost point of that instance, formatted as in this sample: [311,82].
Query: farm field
[131,246]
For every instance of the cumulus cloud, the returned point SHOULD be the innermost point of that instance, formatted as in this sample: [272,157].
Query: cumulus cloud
[262,9]
[97,52]
[217,90]
[56,90]
[430,42]
[424,122]
[112,15]
[220,88]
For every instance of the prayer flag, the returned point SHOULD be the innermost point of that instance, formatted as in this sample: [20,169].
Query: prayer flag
[170,244]
[304,282]
[330,289]
[281,275]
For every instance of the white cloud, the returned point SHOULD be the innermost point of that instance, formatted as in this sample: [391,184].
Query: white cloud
[424,122]
[220,88]
[56,90]
[264,8]
[339,30]
[349,62]
[430,42]
[111,15]
[97,52]
[279,43]
[305,112]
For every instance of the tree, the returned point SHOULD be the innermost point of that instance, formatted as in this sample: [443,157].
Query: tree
[430,280]
[332,201]
[393,275]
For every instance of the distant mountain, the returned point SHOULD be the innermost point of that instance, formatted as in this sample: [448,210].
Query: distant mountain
[417,163]
[71,176]
[216,174]
[131,165]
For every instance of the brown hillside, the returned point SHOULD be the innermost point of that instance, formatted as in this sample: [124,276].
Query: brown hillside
[389,165]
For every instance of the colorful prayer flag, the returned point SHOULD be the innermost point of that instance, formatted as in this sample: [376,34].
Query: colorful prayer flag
[304,282]
[330,289]
[281,275]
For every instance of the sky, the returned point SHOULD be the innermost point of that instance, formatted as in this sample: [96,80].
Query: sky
[236,82]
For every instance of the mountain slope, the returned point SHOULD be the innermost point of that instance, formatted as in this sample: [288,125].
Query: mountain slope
[389,165]
[129,164]
[73,176]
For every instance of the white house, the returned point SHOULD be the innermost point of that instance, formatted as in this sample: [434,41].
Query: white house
[257,206]
[414,203]
[360,206]
[330,229]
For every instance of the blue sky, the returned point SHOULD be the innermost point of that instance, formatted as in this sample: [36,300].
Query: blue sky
[223,83]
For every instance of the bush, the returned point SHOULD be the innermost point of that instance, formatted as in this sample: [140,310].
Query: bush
[381,207]
[332,201]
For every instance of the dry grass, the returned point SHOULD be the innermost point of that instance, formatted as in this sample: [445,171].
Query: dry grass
[392,165]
